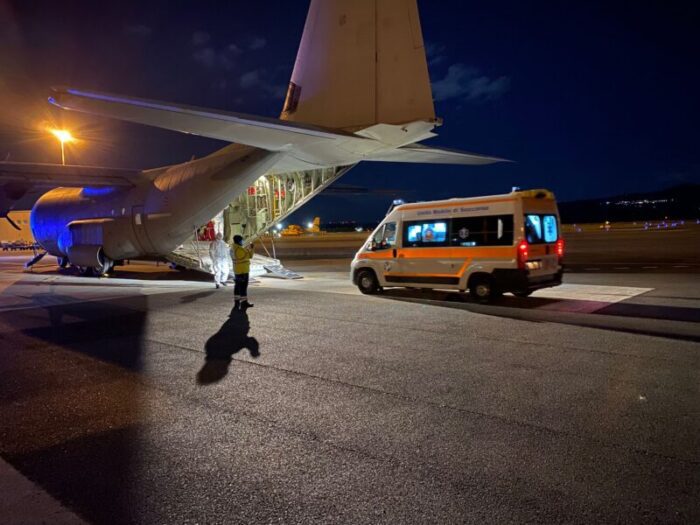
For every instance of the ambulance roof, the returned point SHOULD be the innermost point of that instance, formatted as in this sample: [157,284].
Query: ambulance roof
[536,194]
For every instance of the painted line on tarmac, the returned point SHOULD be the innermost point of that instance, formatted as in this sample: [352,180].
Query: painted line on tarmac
[566,294]
[590,293]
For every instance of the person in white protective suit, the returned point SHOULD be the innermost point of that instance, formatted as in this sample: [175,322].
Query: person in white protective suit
[220,254]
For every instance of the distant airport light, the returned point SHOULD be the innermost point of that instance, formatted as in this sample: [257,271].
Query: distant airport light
[279,226]
[63,136]
[310,225]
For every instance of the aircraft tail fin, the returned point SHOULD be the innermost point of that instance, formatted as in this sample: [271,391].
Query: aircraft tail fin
[360,63]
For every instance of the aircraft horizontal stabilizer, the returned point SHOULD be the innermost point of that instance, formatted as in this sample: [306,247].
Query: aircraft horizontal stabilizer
[260,132]
[305,146]
[418,153]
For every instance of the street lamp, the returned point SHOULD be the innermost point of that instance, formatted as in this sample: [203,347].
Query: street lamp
[63,136]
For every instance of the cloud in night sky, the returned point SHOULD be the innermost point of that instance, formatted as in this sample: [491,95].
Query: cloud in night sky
[435,53]
[233,48]
[206,56]
[467,83]
[258,78]
[214,57]
[257,42]
[250,79]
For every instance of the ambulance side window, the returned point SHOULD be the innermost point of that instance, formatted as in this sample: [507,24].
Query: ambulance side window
[384,238]
[492,230]
[426,234]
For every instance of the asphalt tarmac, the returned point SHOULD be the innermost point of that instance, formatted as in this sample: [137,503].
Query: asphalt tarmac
[143,398]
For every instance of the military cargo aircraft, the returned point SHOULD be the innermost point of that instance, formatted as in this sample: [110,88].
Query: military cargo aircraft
[359,92]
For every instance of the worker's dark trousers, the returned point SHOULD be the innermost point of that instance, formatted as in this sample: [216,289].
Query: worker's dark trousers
[240,288]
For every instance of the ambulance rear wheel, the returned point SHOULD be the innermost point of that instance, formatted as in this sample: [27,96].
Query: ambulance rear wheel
[367,282]
[482,289]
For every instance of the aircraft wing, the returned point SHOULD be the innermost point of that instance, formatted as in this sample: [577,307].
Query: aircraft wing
[22,183]
[55,175]
[424,154]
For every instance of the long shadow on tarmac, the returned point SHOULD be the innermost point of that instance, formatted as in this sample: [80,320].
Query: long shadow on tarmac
[657,320]
[231,338]
[74,424]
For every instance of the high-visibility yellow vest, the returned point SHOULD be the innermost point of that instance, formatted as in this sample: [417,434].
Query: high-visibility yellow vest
[242,258]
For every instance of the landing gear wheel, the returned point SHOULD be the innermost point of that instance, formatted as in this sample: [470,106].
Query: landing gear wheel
[101,271]
[105,267]
[482,289]
[526,293]
[367,282]
[62,262]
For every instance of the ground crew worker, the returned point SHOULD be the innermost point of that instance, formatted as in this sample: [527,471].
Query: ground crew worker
[241,257]
[220,254]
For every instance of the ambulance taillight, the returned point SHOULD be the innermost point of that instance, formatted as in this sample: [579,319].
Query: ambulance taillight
[559,248]
[523,249]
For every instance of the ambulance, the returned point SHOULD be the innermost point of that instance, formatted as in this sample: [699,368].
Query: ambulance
[486,245]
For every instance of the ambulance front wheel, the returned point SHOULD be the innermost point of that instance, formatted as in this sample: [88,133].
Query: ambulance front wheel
[367,282]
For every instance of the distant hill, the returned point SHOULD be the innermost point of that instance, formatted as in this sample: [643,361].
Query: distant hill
[677,202]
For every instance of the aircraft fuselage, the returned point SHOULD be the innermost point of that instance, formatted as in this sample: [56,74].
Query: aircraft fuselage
[150,219]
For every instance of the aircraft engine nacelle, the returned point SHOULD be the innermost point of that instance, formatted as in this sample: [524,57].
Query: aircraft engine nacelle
[89,256]
[83,240]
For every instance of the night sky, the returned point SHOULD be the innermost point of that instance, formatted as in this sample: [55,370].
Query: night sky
[590,99]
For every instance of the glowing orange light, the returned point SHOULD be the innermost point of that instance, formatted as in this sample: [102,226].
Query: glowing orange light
[63,136]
